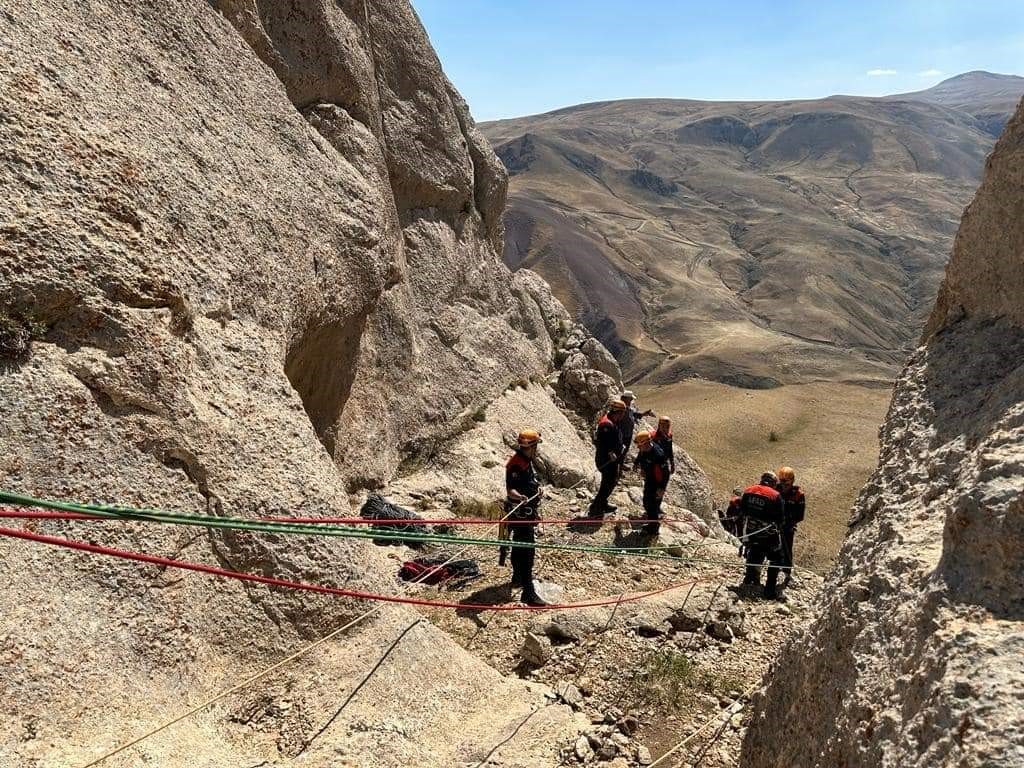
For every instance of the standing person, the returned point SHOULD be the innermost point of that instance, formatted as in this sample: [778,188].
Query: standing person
[522,502]
[762,509]
[795,504]
[608,457]
[653,464]
[628,424]
[663,439]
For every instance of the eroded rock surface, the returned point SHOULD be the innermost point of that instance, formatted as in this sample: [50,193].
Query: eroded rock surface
[917,654]
[254,244]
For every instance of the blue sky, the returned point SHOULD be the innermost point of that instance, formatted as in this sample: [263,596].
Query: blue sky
[518,57]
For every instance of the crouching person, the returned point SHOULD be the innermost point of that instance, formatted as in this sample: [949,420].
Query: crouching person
[522,504]
[652,463]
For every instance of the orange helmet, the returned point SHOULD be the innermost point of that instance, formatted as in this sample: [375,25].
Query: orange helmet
[642,438]
[786,474]
[528,437]
[616,405]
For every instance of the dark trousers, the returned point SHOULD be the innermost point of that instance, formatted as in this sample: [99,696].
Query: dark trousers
[759,549]
[788,534]
[523,557]
[652,507]
[609,479]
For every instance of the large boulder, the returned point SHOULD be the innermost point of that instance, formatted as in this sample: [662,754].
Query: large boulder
[917,652]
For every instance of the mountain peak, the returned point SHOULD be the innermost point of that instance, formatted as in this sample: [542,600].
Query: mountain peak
[989,96]
[980,76]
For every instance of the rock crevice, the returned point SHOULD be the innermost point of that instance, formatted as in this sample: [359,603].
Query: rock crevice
[916,654]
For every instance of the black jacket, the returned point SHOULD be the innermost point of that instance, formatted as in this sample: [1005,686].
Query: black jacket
[795,504]
[609,441]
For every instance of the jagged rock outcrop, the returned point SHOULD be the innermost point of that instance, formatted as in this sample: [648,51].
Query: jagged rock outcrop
[917,654]
[254,244]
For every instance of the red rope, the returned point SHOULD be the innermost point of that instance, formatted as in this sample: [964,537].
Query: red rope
[213,570]
[33,514]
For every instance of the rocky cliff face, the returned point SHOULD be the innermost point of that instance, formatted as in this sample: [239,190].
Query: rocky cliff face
[917,654]
[253,244]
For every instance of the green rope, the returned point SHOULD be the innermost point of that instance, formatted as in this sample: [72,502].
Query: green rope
[265,526]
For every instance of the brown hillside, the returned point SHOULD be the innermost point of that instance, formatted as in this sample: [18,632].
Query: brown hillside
[749,243]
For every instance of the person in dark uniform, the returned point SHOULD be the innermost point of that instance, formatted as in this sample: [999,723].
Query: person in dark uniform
[663,439]
[761,508]
[653,464]
[628,424]
[608,457]
[522,502]
[794,506]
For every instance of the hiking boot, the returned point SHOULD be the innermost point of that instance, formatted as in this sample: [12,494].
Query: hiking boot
[750,581]
[533,600]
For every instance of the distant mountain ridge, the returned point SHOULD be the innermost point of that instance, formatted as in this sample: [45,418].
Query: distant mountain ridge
[753,243]
[989,97]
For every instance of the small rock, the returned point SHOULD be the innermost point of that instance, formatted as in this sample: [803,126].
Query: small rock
[783,610]
[583,750]
[536,650]
[620,739]
[628,725]
[561,632]
[607,751]
[595,740]
[571,695]
[643,755]
[720,630]
[645,627]
[686,620]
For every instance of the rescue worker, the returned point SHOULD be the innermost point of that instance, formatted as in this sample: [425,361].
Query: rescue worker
[762,509]
[628,425]
[608,457]
[653,464]
[663,439]
[522,501]
[794,507]
[731,519]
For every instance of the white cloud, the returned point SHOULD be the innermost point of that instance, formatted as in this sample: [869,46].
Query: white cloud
[930,73]
[881,72]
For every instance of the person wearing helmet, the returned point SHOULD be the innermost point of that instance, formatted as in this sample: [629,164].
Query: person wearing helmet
[522,502]
[628,425]
[608,457]
[794,506]
[762,509]
[652,463]
[663,439]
